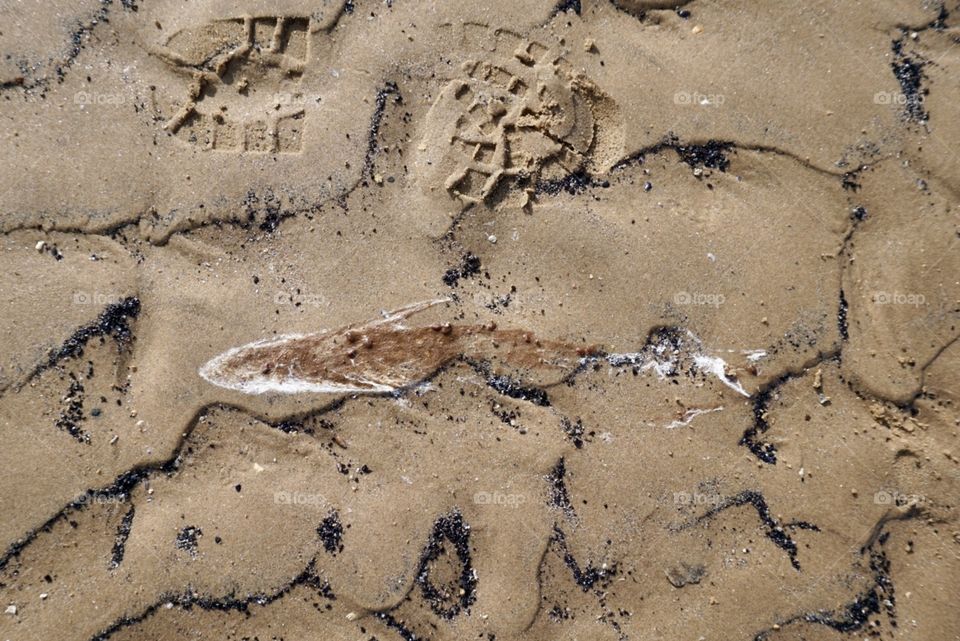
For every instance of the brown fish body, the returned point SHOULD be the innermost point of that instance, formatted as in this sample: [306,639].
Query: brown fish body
[381,356]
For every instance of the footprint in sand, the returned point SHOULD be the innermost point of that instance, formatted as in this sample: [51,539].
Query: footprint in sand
[244,90]
[523,114]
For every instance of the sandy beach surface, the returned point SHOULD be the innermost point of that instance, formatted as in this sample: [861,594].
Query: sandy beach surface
[512,320]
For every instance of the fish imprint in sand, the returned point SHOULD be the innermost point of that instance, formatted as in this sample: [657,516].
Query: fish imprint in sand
[381,355]
[244,92]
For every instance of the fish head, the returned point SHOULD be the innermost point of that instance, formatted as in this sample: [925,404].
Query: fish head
[254,368]
[292,364]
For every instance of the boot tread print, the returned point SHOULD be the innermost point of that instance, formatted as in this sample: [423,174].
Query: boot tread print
[244,84]
[521,115]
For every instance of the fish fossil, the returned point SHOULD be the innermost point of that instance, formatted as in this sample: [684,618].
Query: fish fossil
[380,355]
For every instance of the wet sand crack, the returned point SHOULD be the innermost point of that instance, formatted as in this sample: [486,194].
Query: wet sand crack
[774,530]
[448,599]
[855,615]
[113,321]
[469,267]
[123,533]
[585,576]
[390,88]
[76,41]
[330,532]
[559,495]
[308,577]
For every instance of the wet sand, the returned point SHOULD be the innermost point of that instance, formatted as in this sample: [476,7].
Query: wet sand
[689,370]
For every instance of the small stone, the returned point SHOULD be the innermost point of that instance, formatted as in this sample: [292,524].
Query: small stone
[43,596]
[40,245]
[492,239]
[11,609]
[685,574]
[377,178]
[696,29]
[589,45]
[351,616]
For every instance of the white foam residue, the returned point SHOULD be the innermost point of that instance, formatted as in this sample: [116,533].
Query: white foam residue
[299,386]
[209,370]
[717,366]
[619,360]
[691,414]
[666,365]
[663,368]
[396,316]
[754,355]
